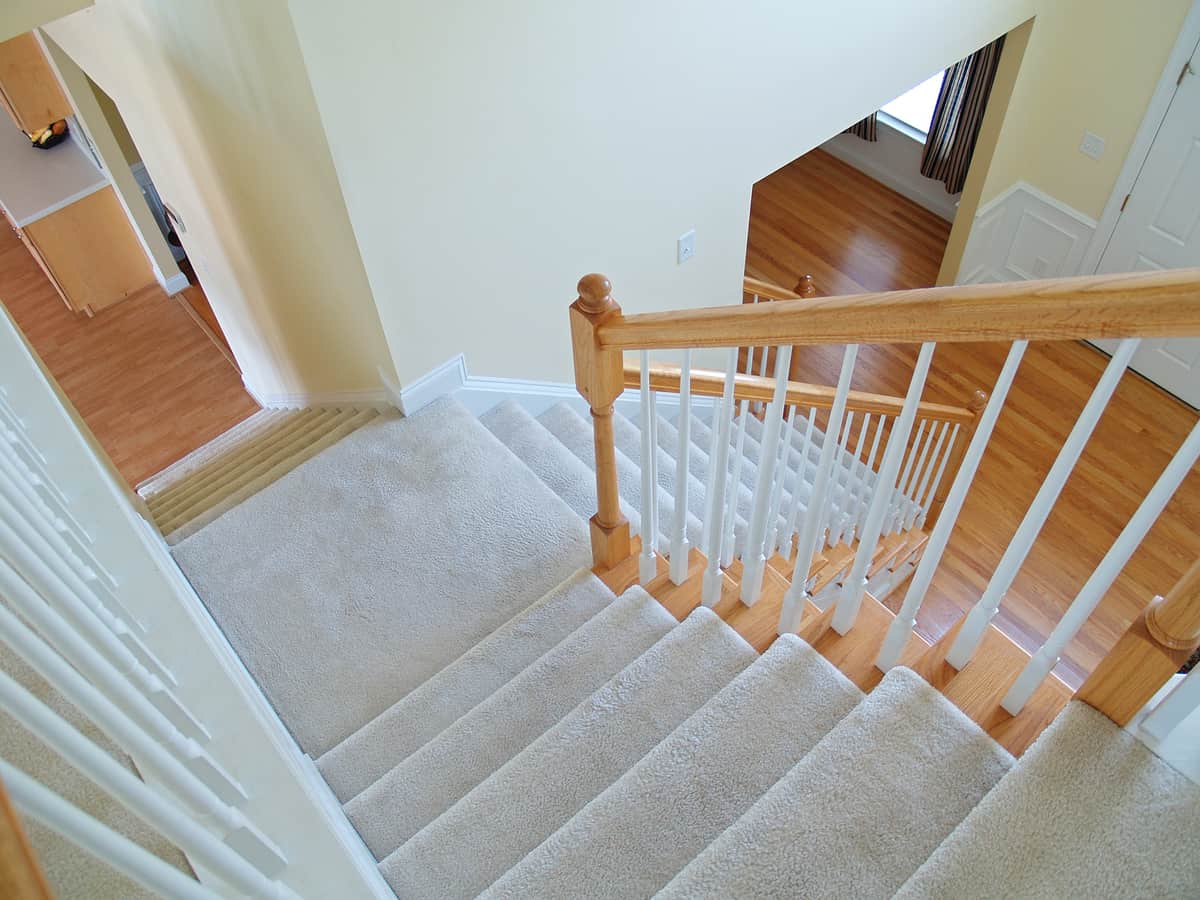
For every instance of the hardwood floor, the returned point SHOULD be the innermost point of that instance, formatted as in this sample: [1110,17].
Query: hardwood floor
[819,216]
[143,375]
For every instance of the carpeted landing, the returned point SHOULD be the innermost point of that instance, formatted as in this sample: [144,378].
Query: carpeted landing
[415,601]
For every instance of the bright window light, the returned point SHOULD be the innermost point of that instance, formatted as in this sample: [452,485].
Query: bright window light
[915,107]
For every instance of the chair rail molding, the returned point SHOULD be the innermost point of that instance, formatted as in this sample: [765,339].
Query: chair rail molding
[1025,234]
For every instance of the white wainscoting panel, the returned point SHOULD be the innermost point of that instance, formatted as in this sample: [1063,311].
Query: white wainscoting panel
[1024,234]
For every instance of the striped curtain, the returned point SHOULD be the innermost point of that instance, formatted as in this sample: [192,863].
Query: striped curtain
[864,129]
[958,115]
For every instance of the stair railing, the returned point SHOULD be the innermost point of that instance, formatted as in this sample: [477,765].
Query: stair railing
[1128,307]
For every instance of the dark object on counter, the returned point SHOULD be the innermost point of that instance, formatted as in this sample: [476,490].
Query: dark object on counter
[51,135]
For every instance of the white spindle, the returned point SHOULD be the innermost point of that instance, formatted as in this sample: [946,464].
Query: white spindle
[928,496]
[902,625]
[647,565]
[24,465]
[783,465]
[1182,700]
[861,505]
[107,678]
[976,621]
[927,465]
[52,571]
[904,485]
[680,545]
[806,546]
[710,591]
[24,559]
[854,477]
[753,559]
[793,520]
[1093,591]
[735,486]
[856,583]
[841,487]
[109,847]
[230,864]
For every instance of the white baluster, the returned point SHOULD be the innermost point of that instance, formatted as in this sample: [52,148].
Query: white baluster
[1094,589]
[107,678]
[793,520]
[647,565]
[1181,702]
[861,505]
[925,467]
[856,582]
[87,619]
[806,546]
[836,502]
[902,625]
[782,466]
[24,465]
[52,566]
[735,486]
[753,558]
[853,478]
[710,591]
[900,498]
[976,621]
[928,495]
[229,860]
[109,847]
[680,545]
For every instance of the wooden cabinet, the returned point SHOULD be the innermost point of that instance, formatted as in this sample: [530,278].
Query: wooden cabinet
[89,252]
[29,89]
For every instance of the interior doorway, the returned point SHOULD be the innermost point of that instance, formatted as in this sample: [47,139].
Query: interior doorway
[88,274]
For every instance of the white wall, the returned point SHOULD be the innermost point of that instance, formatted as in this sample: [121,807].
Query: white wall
[491,155]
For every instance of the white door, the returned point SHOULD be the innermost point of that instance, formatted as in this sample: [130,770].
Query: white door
[1160,229]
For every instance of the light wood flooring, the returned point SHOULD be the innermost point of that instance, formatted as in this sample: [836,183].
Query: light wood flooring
[819,216]
[146,379]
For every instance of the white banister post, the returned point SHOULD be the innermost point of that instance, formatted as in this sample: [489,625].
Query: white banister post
[647,567]
[680,545]
[793,519]
[861,506]
[1097,585]
[753,557]
[976,621]
[881,503]
[735,485]
[806,546]
[710,591]
[100,672]
[1180,702]
[46,490]
[774,530]
[924,473]
[902,625]
[847,518]
[929,494]
[230,864]
[900,497]
[838,510]
[41,804]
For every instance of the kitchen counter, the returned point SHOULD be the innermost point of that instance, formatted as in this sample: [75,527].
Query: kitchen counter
[36,183]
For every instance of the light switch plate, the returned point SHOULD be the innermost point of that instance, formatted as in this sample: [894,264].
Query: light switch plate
[1092,145]
[685,247]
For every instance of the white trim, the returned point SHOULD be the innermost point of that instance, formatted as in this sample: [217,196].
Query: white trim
[173,285]
[1156,111]
[437,382]
[377,397]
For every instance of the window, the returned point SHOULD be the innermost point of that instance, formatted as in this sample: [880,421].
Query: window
[915,107]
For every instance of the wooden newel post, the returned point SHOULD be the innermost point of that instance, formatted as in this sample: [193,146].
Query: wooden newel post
[978,401]
[599,376]
[1150,651]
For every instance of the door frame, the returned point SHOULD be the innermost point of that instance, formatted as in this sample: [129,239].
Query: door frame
[1156,111]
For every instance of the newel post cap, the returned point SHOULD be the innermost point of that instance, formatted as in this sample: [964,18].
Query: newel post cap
[595,293]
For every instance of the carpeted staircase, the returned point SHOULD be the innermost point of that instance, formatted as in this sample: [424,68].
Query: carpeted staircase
[415,600]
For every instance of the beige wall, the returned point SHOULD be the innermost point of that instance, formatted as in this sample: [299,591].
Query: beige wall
[490,157]
[116,124]
[1090,64]
[19,16]
[216,96]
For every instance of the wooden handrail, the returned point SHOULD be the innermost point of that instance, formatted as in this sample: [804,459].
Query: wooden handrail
[710,383]
[766,290]
[1150,651]
[1143,304]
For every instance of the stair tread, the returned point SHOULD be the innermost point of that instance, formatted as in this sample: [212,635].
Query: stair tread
[474,842]
[177,471]
[1084,784]
[417,718]
[633,837]
[430,781]
[863,809]
[550,459]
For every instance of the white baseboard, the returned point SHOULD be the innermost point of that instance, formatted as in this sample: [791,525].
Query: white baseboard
[437,382]
[174,284]
[1025,234]
[377,397]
